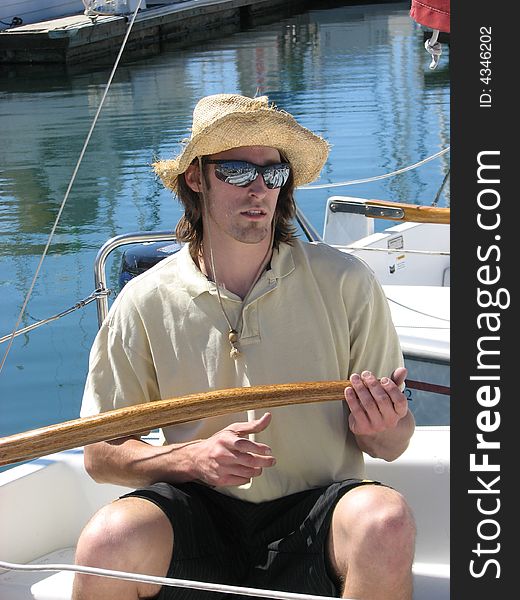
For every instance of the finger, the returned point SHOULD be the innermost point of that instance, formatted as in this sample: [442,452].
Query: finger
[397,397]
[254,426]
[376,389]
[399,376]
[358,418]
[254,460]
[364,387]
[244,447]
[236,475]
[231,480]
[245,472]
[247,445]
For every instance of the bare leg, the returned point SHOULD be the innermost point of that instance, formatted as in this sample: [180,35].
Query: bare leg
[132,535]
[371,544]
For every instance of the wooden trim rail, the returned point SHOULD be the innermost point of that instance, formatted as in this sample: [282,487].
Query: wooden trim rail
[415,212]
[390,210]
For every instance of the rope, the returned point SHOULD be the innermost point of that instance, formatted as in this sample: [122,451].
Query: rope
[377,177]
[105,292]
[168,581]
[15,22]
[434,48]
[65,198]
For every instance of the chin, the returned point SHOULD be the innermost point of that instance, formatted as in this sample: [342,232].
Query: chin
[253,236]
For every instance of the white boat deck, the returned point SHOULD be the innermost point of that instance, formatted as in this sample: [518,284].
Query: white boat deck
[421,315]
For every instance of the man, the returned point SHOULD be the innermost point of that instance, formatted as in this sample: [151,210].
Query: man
[274,500]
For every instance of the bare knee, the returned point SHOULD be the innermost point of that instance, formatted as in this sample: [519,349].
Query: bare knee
[132,535]
[388,518]
[372,521]
[103,533]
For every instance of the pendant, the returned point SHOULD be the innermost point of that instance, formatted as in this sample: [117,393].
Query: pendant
[233,339]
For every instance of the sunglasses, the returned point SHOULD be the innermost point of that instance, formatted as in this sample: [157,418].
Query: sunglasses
[242,173]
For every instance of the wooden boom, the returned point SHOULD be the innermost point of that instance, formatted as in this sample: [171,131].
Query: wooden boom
[134,420]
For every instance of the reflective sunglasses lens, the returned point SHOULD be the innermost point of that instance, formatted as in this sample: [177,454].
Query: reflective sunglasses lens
[236,173]
[275,176]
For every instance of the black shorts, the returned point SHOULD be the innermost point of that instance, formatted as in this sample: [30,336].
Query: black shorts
[278,545]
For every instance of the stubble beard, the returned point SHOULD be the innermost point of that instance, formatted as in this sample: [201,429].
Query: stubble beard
[253,233]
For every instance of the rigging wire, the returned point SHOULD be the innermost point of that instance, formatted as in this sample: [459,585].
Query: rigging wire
[419,312]
[69,187]
[377,177]
[80,304]
[393,250]
[438,195]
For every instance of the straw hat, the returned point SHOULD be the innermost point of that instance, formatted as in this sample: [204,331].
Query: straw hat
[225,121]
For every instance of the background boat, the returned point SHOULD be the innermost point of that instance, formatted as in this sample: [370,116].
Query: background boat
[24,12]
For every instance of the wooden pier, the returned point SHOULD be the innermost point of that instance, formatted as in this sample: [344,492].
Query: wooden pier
[80,39]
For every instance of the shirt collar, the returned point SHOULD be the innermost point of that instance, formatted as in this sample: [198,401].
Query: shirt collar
[196,283]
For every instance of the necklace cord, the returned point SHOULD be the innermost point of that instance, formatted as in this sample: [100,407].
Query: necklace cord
[233,334]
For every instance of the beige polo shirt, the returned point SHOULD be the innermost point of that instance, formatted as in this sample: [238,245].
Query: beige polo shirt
[317,314]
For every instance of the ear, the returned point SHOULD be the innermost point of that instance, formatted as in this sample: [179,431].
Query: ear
[192,177]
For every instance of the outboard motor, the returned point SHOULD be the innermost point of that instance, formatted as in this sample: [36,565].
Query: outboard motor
[140,257]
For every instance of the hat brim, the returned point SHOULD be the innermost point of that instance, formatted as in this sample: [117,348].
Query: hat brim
[306,151]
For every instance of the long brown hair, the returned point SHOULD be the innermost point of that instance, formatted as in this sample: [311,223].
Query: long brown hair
[189,228]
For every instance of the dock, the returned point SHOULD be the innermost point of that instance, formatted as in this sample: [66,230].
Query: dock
[80,39]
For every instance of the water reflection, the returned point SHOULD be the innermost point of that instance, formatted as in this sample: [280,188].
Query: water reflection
[357,74]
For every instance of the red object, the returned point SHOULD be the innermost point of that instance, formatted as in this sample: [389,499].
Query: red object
[434,14]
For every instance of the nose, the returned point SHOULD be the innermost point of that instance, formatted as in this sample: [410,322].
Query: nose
[257,186]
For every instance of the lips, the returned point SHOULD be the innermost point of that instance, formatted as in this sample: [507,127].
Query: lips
[253,212]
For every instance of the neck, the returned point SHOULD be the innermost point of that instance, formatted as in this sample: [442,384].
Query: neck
[237,264]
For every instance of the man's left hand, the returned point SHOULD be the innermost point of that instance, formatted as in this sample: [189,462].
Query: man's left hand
[376,405]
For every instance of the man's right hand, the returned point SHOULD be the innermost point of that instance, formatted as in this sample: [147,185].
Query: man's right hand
[229,458]
[226,458]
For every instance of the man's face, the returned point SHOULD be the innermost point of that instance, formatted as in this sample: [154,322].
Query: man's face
[242,213]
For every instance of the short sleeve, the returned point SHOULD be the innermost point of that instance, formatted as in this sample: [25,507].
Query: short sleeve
[374,341]
[121,371]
